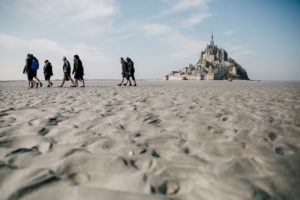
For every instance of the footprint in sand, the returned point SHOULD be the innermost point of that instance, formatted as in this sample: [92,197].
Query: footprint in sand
[53,121]
[79,178]
[36,180]
[272,136]
[22,151]
[169,187]
[285,150]
[130,163]
[152,119]
[43,131]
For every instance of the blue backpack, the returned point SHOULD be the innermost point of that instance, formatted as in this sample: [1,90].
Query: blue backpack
[35,64]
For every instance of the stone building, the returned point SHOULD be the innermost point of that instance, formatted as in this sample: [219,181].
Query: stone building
[213,64]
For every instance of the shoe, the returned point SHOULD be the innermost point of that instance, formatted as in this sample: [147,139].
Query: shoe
[134,85]
[73,86]
[125,84]
[48,85]
[130,85]
[119,84]
[82,86]
[51,84]
[61,86]
[41,84]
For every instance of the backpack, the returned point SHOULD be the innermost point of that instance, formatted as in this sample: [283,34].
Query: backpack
[35,64]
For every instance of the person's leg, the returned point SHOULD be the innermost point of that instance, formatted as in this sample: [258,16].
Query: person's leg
[83,84]
[126,78]
[72,81]
[41,84]
[34,84]
[121,81]
[48,80]
[129,80]
[63,82]
[29,80]
[133,78]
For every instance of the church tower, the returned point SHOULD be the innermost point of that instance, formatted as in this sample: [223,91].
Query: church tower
[212,40]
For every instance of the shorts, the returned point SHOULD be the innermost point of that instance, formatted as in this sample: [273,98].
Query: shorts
[67,75]
[34,74]
[47,77]
[30,76]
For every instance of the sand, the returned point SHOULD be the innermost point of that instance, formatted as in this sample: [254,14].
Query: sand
[187,140]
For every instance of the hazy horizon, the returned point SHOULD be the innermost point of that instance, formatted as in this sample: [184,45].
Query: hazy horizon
[159,35]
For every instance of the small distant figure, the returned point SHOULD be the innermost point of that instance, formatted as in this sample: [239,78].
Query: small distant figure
[35,67]
[131,71]
[67,73]
[78,71]
[48,72]
[124,71]
[29,71]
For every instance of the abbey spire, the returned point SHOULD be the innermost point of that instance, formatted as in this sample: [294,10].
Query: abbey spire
[212,40]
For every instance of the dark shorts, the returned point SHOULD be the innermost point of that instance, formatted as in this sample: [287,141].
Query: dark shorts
[30,76]
[47,77]
[34,73]
[78,77]
[67,75]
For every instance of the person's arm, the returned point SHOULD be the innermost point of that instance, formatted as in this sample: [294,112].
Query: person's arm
[74,67]
[129,68]
[25,69]
[65,67]
[26,66]
[51,72]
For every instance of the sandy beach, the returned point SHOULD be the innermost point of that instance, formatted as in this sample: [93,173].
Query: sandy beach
[187,140]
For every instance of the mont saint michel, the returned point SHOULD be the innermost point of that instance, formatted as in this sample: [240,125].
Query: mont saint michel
[214,64]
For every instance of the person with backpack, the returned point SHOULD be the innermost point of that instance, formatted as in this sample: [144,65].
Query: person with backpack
[67,73]
[131,71]
[35,67]
[124,71]
[29,71]
[78,71]
[48,72]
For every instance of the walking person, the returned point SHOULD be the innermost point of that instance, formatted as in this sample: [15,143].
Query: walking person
[48,72]
[78,71]
[131,71]
[35,67]
[67,73]
[29,71]
[124,71]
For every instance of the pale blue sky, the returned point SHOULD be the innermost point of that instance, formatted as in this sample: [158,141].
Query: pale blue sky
[159,35]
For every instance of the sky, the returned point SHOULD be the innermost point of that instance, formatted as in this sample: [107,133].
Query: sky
[159,35]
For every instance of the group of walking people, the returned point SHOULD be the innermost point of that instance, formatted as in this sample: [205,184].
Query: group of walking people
[32,66]
[127,72]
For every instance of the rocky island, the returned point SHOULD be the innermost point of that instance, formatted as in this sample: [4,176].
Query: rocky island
[214,64]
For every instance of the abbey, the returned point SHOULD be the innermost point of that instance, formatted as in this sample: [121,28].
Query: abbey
[213,64]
